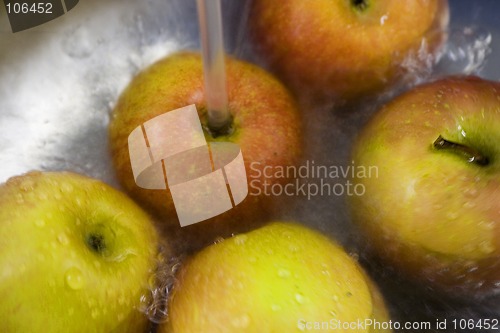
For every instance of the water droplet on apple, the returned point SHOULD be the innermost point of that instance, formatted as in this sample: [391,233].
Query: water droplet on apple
[486,247]
[94,313]
[470,204]
[240,239]
[71,311]
[335,298]
[63,238]
[74,278]
[299,298]
[27,185]
[57,196]
[241,321]
[490,225]
[452,215]
[19,198]
[471,193]
[333,313]
[275,307]
[67,187]
[40,223]
[284,274]
[42,196]
[218,240]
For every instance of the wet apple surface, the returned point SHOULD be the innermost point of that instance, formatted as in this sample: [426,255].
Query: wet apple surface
[434,209]
[77,256]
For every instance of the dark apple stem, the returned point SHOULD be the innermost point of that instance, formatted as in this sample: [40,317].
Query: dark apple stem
[360,5]
[472,155]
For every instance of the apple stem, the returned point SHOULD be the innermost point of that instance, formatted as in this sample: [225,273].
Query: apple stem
[472,155]
[212,44]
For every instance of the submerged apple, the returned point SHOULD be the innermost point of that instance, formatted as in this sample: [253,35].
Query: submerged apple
[434,209]
[347,48]
[76,256]
[265,124]
[282,277]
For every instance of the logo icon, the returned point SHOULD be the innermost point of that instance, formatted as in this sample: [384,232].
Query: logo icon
[205,180]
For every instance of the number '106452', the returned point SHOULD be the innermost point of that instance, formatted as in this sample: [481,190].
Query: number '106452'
[25,8]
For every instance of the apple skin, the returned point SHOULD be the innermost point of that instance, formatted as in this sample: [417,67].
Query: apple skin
[431,213]
[271,280]
[51,278]
[267,128]
[328,47]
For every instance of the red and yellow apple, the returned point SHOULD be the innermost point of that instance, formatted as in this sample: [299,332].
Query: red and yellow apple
[433,209]
[266,125]
[76,256]
[282,277]
[347,48]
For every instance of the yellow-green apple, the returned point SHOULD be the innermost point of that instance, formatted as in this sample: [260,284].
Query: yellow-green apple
[282,277]
[265,124]
[76,256]
[433,207]
[347,48]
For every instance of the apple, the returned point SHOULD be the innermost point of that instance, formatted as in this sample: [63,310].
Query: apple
[76,256]
[433,207]
[282,277]
[266,125]
[347,48]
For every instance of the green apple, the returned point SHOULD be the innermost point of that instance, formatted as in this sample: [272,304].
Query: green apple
[76,256]
[266,125]
[347,48]
[282,277]
[433,210]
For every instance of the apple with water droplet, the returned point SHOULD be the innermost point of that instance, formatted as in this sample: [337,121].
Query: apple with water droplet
[76,256]
[347,48]
[266,125]
[282,277]
[434,209]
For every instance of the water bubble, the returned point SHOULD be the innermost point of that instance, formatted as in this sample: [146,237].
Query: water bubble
[486,247]
[467,50]
[19,198]
[74,278]
[283,273]
[27,185]
[240,239]
[40,223]
[299,298]
[67,187]
[218,240]
[241,322]
[63,238]
[275,307]
[94,313]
